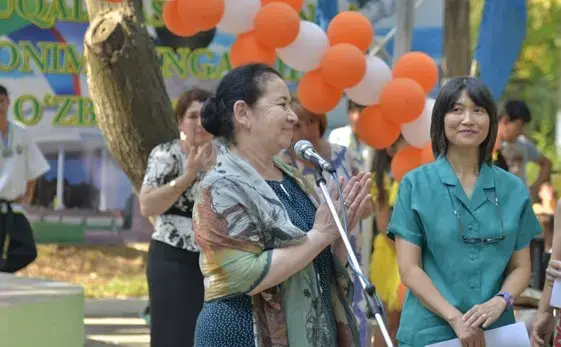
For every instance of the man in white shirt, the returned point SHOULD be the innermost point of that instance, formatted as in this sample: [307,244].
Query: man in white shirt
[21,163]
[517,149]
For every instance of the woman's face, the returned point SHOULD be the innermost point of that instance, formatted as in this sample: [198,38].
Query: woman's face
[307,128]
[466,125]
[271,120]
[191,126]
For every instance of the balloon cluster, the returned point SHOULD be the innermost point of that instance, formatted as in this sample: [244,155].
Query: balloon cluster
[403,108]
[333,62]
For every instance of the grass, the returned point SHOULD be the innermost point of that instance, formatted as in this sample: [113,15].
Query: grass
[105,271]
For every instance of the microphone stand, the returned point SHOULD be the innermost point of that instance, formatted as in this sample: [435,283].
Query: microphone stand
[374,307]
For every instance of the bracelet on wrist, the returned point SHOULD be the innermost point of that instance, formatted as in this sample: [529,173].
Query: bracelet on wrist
[508,298]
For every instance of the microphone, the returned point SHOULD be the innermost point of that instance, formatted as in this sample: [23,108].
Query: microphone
[305,151]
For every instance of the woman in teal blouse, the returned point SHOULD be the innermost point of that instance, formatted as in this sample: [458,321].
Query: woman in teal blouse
[462,227]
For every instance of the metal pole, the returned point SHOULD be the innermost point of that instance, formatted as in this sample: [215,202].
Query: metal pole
[405,18]
[380,46]
[403,32]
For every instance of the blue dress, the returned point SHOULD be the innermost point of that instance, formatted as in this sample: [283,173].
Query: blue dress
[229,322]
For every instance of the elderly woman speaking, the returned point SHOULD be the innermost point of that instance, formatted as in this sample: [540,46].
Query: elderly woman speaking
[267,243]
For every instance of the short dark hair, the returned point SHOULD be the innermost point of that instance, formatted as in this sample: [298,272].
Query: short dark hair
[3,90]
[353,106]
[186,99]
[245,83]
[447,97]
[517,109]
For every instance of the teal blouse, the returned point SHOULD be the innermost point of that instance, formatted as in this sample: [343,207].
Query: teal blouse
[464,273]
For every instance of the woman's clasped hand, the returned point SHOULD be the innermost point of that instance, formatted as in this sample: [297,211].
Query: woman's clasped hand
[356,199]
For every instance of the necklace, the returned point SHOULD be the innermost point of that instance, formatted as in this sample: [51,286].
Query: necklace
[7,143]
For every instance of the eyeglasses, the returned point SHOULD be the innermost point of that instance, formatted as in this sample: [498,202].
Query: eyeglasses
[476,240]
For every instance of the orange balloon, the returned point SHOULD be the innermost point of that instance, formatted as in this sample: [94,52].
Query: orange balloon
[204,14]
[173,22]
[402,100]
[419,67]
[247,49]
[351,27]
[343,65]
[295,4]
[375,130]
[427,155]
[316,95]
[273,17]
[406,159]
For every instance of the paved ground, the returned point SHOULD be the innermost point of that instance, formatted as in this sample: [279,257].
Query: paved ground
[114,322]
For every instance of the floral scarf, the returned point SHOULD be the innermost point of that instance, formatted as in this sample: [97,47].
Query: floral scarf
[238,220]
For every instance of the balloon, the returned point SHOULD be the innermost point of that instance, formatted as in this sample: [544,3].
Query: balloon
[295,4]
[205,14]
[402,100]
[238,16]
[270,19]
[316,95]
[374,129]
[351,27]
[426,154]
[406,159]
[305,52]
[247,49]
[368,90]
[418,66]
[173,22]
[417,133]
[343,65]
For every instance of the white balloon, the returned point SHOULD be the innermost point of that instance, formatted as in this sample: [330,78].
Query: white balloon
[417,133]
[367,91]
[304,53]
[238,16]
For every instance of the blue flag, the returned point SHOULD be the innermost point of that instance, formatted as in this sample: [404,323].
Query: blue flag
[501,33]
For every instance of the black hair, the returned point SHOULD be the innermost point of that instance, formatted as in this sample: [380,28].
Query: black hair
[353,106]
[3,90]
[447,97]
[516,109]
[245,83]
[381,165]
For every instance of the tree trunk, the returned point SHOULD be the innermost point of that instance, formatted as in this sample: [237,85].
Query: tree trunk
[457,50]
[131,104]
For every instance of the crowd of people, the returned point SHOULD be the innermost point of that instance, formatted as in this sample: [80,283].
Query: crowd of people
[246,253]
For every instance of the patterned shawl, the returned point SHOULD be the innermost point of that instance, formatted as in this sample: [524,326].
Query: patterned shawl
[238,220]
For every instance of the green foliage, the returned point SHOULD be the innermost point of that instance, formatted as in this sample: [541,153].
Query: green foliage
[535,78]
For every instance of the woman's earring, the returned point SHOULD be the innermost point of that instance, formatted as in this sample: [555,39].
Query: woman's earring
[182,136]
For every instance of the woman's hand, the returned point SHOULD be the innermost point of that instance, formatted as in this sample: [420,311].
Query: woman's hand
[468,336]
[200,157]
[357,198]
[542,329]
[485,314]
[553,271]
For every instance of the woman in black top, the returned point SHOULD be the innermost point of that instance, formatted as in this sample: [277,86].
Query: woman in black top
[171,181]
